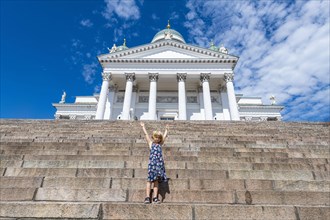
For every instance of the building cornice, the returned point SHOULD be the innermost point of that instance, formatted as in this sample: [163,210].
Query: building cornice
[74,105]
[154,60]
[246,106]
[187,47]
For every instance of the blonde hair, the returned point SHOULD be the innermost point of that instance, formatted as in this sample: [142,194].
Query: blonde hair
[157,134]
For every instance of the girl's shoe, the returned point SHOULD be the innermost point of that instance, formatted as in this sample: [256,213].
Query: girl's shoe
[156,200]
[147,200]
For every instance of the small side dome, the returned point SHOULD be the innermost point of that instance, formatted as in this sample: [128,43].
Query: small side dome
[120,48]
[168,34]
[213,47]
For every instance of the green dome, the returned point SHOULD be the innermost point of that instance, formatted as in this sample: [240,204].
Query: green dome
[168,34]
[213,47]
[120,48]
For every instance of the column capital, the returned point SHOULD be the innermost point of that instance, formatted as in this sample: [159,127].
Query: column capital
[205,77]
[130,76]
[181,77]
[153,77]
[106,76]
[229,77]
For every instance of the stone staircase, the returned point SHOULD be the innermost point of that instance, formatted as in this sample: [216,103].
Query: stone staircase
[218,170]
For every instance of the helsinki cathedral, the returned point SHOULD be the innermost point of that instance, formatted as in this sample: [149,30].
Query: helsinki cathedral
[168,79]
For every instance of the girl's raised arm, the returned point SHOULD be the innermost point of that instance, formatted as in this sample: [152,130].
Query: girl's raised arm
[146,134]
[165,134]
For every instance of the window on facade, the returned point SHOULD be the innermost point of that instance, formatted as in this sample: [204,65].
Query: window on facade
[167,99]
[272,119]
[64,117]
[214,99]
[167,118]
[192,99]
[143,99]
[120,99]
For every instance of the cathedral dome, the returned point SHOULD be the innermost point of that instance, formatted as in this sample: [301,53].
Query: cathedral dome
[168,34]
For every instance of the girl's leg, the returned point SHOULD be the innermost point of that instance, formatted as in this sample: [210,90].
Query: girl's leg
[155,189]
[148,189]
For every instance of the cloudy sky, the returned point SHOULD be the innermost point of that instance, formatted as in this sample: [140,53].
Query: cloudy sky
[48,47]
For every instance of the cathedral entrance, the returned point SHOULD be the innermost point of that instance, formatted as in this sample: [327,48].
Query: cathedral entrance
[167,115]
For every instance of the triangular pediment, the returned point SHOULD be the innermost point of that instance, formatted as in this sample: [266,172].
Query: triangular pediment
[167,49]
[169,54]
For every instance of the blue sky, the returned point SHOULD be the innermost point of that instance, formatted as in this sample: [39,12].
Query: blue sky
[51,46]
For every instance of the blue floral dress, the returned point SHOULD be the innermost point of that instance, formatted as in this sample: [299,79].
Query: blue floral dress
[156,166]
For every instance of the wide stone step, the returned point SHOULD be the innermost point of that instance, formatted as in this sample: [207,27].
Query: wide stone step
[178,184]
[20,182]
[171,173]
[180,162]
[69,172]
[73,164]
[237,197]
[169,195]
[77,210]
[112,156]
[48,210]
[198,211]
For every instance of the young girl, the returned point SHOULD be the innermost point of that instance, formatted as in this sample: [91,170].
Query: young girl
[156,167]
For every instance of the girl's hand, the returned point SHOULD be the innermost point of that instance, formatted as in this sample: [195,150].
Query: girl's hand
[142,124]
[166,127]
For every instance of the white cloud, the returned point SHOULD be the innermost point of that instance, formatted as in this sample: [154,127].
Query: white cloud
[75,49]
[125,9]
[89,71]
[86,23]
[154,16]
[283,49]
[174,16]
[76,43]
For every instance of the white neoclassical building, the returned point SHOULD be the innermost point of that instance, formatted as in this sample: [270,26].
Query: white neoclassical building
[168,79]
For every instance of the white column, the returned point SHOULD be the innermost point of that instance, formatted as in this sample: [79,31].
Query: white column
[181,77]
[103,96]
[130,77]
[201,102]
[133,101]
[229,77]
[153,77]
[205,77]
[109,103]
[225,103]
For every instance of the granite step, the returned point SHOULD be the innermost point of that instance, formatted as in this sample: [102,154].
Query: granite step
[294,175]
[141,162]
[140,183]
[68,172]
[79,210]
[260,197]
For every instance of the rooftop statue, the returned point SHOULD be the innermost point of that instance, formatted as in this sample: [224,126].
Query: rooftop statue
[63,97]
[272,99]
[113,48]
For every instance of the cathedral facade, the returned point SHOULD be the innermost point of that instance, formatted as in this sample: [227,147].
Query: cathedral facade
[168,79]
